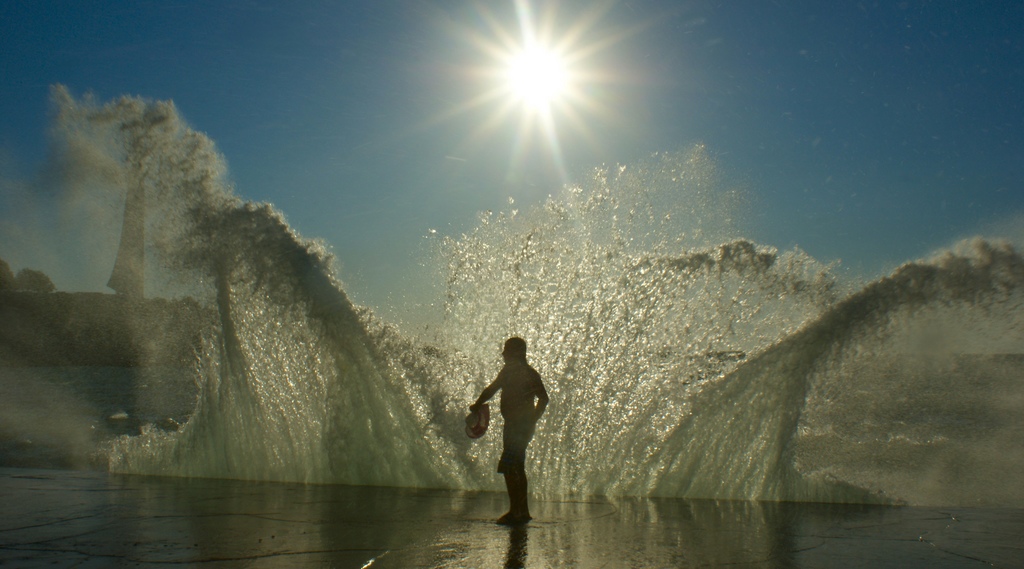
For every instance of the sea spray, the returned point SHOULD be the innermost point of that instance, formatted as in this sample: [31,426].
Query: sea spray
[289,389]
[682,360]
[628,320]
[763,403]
[702,374]
[920,391]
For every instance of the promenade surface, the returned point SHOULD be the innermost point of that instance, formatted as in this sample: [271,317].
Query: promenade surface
[54,518]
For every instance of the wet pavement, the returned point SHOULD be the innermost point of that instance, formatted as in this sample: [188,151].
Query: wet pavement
[56,518]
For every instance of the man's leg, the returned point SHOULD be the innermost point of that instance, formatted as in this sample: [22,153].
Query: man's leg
[521,505]
[513,466]
[516,483]
[518,505]
[510,485]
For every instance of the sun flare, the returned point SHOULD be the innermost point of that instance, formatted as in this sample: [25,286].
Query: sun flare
[537,77]
[541,72]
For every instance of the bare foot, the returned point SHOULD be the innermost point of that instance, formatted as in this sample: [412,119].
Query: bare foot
[511,520]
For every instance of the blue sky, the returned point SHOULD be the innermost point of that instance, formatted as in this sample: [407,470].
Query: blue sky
[872,132]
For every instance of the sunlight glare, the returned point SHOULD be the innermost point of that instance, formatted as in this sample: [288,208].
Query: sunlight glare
[545,79]
[537,76]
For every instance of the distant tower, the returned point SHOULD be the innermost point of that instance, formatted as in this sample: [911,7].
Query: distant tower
[129,274]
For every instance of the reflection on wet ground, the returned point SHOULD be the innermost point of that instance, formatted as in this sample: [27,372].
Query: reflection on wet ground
[89,519]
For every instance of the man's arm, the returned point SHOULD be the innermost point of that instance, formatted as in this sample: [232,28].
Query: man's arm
[542,399]
[487,393]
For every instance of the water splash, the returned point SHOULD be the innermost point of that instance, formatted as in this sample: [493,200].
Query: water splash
[681,359]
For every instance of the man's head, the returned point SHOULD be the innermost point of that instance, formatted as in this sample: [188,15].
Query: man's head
[515,347]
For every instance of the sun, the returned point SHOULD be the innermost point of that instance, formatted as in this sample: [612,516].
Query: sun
[544,74]
[537,77]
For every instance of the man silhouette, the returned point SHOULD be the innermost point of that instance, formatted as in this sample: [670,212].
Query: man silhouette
[523,400]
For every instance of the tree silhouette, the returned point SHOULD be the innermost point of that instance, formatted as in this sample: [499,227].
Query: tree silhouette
[33,281]
[6,276]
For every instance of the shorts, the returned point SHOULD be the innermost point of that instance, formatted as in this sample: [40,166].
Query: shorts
[515,439]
